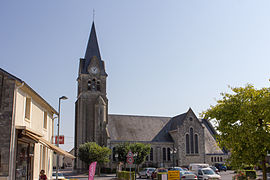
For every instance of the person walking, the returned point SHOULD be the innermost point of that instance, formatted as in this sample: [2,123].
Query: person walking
[42,175]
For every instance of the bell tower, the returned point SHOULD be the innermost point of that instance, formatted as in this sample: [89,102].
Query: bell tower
[91,107]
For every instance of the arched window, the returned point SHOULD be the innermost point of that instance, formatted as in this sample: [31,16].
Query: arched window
[151,154]
[187,144]
[212,159]
[93,85]
[220,159]
[89,85]
[164,154]
[168,154]
[215,159]
[98,86]
[191,141]
[196,144]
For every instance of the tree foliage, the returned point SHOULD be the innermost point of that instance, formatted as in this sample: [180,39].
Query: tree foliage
[243,119]
[142,150]
[90,152]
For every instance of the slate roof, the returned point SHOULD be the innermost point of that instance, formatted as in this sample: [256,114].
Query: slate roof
[163,135]
[135,128]
[156,129]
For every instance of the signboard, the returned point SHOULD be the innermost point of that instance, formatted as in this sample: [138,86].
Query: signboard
[130,160]
[173,175]
[61,139]
[130,154]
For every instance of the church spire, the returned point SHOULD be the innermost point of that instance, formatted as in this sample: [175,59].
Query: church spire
[92,47]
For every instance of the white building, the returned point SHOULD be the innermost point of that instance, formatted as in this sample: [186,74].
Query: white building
[26,131]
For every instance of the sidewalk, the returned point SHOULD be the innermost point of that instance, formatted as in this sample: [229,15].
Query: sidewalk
[69,174]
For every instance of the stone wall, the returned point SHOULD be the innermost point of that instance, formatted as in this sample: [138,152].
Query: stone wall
[7,86]
[185,159]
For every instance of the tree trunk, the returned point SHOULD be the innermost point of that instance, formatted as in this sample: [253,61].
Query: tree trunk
[264,169]
[98,169]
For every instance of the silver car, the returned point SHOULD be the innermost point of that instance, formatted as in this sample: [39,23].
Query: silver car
[188,175]
[146,172]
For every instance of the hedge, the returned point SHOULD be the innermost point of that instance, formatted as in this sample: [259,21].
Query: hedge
[125,175]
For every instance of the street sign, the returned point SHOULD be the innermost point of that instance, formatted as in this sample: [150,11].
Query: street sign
[130,154]
[61,139]
[130,160]
[173,175]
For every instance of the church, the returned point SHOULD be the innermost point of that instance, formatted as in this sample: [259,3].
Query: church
[178,140]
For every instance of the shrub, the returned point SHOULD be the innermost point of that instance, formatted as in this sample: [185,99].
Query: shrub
[125,175]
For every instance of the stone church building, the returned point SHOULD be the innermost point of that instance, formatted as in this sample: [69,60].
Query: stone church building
[178,140]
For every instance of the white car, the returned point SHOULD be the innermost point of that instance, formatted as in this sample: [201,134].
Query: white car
[60,176]
[207,174]
[146,172]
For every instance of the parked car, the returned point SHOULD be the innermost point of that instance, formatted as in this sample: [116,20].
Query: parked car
[221,166]
[159,171]
[146,172]
[214,169]
[196,166]
[60,176]
[207,173]
[188,175]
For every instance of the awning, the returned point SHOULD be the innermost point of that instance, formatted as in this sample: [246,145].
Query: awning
[27,132]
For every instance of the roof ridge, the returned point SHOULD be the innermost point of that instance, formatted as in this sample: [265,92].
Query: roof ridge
[139,115]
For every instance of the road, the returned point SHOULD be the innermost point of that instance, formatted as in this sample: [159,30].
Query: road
[69,175]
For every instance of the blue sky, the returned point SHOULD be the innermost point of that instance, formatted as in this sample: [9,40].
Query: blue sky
[162,57]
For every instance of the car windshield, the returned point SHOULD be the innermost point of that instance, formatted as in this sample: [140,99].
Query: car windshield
[208,171]
[175,169]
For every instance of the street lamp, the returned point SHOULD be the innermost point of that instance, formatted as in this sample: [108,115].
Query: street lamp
[135,157]
[173,151]
[58,125]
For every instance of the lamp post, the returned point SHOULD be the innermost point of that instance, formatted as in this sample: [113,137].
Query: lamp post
[173,151]
[58,125]
[135,157]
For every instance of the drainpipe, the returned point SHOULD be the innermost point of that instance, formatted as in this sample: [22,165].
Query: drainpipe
[12,151]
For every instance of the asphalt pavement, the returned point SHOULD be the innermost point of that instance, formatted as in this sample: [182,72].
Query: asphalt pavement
[72,176]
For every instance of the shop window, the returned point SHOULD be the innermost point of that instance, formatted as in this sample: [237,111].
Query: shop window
[27,108]
[164,154]
[151,154]
[191,141]
[168,154]
[45,120]
[24,160]
[196,144]
[187,144]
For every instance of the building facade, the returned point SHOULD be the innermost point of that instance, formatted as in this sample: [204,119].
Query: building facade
[178,140]
[26,126]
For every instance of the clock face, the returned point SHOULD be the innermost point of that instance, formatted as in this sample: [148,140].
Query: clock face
[94,70]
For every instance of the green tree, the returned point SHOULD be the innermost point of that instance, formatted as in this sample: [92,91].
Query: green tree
[242,119]
[90,152]
[140,149]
